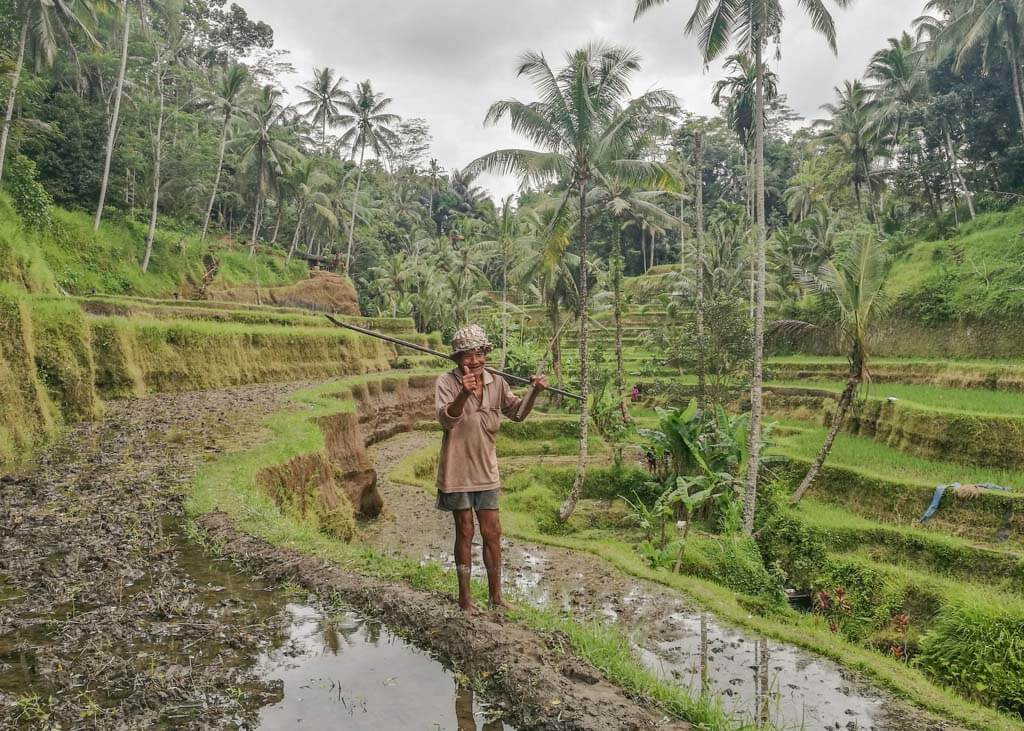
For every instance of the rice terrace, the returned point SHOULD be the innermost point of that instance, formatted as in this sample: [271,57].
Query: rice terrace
[622,364]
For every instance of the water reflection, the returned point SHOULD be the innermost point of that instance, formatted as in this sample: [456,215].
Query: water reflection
[467,715]
[338,670]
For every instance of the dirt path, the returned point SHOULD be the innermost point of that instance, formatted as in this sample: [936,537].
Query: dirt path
[804,690]
[102,622]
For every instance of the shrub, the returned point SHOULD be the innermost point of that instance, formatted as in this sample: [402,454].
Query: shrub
[31,201]
[977,646]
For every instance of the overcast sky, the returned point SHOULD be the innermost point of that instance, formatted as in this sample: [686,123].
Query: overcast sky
[447,61]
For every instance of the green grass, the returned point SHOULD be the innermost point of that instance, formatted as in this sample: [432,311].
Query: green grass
[69,255]
[973,401]
[802,440]
[229,485]
[986,282]
[832,360]
[802,630]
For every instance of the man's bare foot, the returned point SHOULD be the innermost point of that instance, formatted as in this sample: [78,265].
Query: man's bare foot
[498,605]
[469,608]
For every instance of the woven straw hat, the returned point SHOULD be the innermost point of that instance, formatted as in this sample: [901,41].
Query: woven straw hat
[470,337]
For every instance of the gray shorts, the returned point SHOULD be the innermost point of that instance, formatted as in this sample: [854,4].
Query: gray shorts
[477,500]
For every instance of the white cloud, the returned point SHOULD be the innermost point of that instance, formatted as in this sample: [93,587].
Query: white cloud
[447,61]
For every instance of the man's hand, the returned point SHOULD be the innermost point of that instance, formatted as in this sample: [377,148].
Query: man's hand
[470,381]
[539,381]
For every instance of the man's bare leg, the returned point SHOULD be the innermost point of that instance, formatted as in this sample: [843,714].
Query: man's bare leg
[464,558]
[490,529]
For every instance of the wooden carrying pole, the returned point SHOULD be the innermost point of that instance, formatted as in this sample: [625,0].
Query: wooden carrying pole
[439,354]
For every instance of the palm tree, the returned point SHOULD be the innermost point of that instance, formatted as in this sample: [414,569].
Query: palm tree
[118,93]
[620,199]
[46,27]
[434,171]
[366,124]
[390,279]
[304,183]
[322,101]
[855,282]
[263,144]
[851,129]
[548,270]
[716,23]
[584,123]
[232,85]
[991,27]
[508,239]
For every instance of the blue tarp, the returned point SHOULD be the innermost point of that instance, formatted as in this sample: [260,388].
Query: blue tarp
[940,490]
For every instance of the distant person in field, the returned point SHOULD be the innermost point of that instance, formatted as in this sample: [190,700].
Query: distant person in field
[634,395]
[470,402]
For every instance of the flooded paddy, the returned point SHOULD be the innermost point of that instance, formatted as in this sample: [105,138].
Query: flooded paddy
[757,679]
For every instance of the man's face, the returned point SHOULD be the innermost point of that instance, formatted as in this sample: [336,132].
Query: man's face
[474,360]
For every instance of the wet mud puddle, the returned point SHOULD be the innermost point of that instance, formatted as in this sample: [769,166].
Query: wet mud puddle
[338,670]
[755,679]
[291,663]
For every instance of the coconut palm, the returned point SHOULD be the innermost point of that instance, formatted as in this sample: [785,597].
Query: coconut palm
[507,238]
[367,124]
[852,130]
[231,86]
[47,26]
[322,100]
[263,146]
[855,283]
[717,23]
[583,123]
[992,28]
[548,269]
[126,6]
[390,279]
[304,183]
[620,200]
[736,94]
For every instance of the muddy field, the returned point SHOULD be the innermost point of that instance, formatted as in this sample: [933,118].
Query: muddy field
[109,617]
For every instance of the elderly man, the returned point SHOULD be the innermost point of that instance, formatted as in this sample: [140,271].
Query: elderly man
[470,402]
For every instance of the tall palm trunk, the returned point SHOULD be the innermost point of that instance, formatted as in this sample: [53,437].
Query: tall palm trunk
[256,213]
[19,65]
[698,154]
[216,178]
[1018,88]
[277,223]
[842,406]
[556,345]
[295,237]
[955,167]
[355,202]
[504,307]
[581,460]
[643,248]
[114,116]
[620,385]
[157,159]
[757,374]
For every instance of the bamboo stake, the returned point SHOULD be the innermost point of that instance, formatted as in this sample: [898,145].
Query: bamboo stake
[439,354]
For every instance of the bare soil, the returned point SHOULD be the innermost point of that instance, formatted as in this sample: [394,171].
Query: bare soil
[103,623]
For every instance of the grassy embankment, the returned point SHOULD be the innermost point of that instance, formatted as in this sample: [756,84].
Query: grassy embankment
[69,256]
[58,362]
[230,484]
[533,494]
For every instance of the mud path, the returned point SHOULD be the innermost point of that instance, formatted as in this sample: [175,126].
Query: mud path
[803,690]
[107,618]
